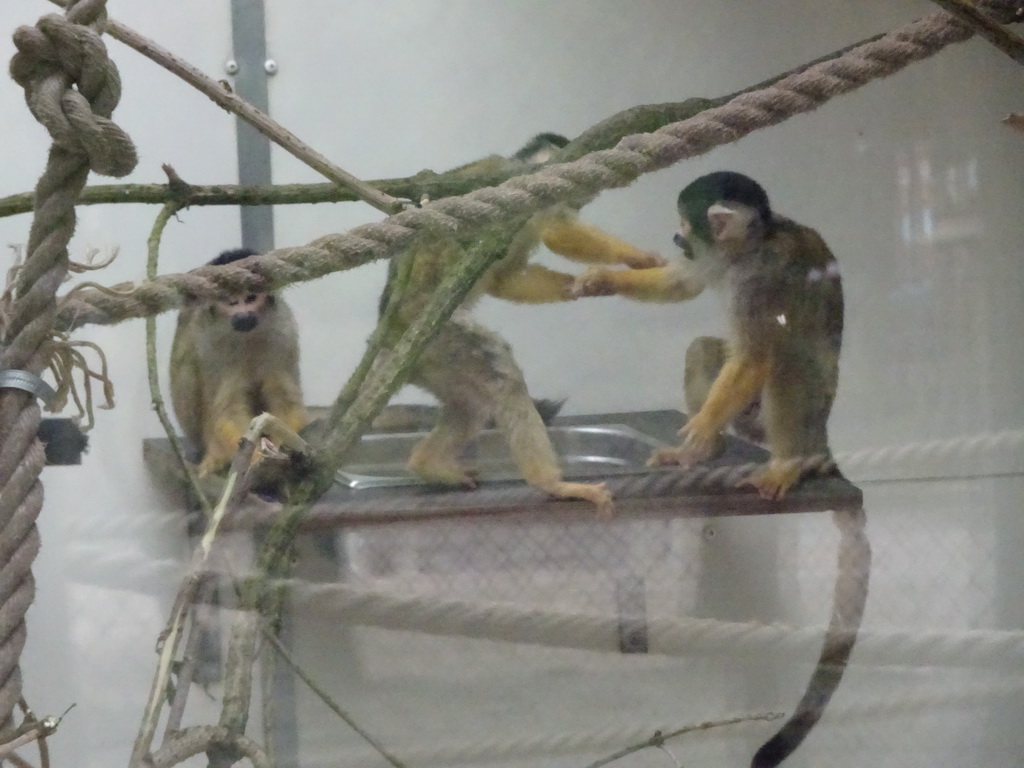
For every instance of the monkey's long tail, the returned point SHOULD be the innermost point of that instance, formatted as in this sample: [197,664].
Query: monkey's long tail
[851,594]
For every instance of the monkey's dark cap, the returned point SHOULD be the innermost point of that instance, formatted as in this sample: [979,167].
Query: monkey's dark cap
[540,143]
[724,187]
[236,254]
[552,138]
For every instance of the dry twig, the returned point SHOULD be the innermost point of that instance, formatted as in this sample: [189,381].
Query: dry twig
[229,100]
[658,739]
[331,704]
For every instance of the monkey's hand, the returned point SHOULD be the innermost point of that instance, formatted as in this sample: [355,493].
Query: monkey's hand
[701,441]
[647,260]
[594,281]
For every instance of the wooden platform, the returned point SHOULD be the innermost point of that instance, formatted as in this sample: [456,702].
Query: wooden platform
[646,493]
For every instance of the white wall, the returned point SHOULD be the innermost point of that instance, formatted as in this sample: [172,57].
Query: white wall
[387,87]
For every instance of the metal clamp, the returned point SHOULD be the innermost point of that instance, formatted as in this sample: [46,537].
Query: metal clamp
[29,382]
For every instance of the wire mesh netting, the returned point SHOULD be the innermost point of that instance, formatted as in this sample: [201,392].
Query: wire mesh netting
[558,641]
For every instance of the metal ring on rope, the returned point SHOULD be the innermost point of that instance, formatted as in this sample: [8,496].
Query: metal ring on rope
[27,382]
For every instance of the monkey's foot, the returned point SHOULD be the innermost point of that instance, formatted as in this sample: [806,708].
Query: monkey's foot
[444,473]
[596,493]
[774,480]
[648,260]
[593,281]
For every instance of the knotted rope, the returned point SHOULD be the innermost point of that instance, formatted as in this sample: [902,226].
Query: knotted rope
[577,182]
[71,87]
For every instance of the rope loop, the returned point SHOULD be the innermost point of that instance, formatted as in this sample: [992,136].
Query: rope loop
[72,87]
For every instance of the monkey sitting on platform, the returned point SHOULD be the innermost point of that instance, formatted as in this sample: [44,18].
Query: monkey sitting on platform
[230,361]
[786,315]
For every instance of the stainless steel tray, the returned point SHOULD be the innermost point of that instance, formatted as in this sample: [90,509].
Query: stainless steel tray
[379,460]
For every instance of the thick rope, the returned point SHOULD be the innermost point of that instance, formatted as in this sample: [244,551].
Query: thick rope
[504,622]
[984,454]
[705,477]
[577,182]
[994,452]
[71,88]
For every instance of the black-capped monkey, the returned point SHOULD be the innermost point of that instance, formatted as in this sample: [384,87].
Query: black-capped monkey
[778,368]
[230,361]
[470,369]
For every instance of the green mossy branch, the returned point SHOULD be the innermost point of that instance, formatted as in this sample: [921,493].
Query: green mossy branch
[604,135]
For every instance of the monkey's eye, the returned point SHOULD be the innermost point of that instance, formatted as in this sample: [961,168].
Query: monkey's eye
[250,298]
[233,303]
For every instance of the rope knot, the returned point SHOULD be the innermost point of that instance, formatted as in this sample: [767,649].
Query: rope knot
[72,87]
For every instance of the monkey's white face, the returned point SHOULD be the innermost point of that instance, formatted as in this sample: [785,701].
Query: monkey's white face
[243,312]
[542,155]
[682,238]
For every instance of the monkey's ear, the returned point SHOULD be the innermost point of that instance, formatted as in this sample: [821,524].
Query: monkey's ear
[722,221]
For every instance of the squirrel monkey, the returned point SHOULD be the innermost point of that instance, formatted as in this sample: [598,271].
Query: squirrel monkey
[472,373]
[778,370]
[469,368]
[230,361]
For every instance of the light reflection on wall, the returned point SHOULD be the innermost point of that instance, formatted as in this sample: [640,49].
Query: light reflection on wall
[939,221]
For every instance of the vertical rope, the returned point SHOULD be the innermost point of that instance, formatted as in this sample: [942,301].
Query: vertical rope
[71,87]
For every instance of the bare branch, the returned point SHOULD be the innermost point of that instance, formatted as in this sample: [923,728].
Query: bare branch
[152,260]
[326,699]
[229,100]
[202,738]
[658,738]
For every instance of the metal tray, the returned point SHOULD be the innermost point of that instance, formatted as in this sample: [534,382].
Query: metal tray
[379,460]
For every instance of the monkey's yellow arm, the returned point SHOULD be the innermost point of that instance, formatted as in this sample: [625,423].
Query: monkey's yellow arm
[574,240]
[533,285]
[664,284]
